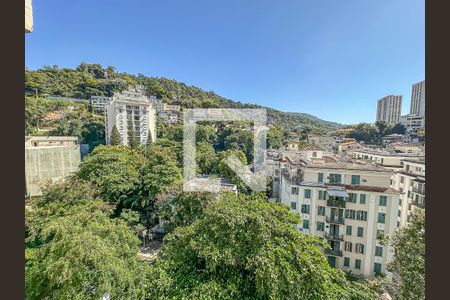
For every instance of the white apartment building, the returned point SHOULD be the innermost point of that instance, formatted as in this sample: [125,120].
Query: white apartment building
[410,182]
[99,103]
[389,109]
[130,106]
[418,99]
[389,160]
[348,204]
[412,122]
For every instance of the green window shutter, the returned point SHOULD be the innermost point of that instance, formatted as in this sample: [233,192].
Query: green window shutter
[383,200]
[348,230]
[346,261]
[377,268]
[320,179]
[381,218]
[362,198]
[357,264]
[378,251]
[306,224]
[356,179]
[360,231]
[308,193]
[293,205]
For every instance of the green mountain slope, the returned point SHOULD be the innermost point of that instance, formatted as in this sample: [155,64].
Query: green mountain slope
[93,79]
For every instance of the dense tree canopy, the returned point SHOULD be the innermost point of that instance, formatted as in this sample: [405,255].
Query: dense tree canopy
[243,248]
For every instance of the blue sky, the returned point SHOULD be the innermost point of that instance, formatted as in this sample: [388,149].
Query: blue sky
[329,58]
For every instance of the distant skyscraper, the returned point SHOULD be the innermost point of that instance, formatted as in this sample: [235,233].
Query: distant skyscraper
[389,109]
[418,99]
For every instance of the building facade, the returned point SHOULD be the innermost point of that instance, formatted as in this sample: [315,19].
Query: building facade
[49,159]
[323,142]
[130,107]
[349,205]
[412,122]
[418,99]
[389,109]
[99,103]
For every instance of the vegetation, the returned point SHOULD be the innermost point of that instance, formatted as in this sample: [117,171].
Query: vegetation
[372,134]
[409,257]
[246,248]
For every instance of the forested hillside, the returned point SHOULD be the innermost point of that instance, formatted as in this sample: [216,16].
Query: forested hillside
[93,79]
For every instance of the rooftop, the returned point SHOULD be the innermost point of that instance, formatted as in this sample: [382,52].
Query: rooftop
[374,189]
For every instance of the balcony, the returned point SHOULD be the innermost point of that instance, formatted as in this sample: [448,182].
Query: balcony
[333,252]
[334,237]
[335,220]
[332,202]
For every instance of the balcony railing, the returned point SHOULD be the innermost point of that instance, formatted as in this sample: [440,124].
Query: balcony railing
[334,237]
[335,220]
[336,203]
[333,252]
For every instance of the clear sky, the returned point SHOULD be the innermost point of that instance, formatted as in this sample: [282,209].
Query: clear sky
[333,59]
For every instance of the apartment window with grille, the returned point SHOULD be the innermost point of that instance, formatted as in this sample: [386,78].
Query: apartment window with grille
[321,210]
[305,208]
[356,179]
[293,205]
[381,218]
[294,190]
[307,193]
[361,215]
[350,214]
[362,198]
[359,248]
[353,197]
[348,246]
[378,251]
[305,224]
[348,230]
[346,261]
[360,231]
[357,264]
[335,178]
[383,200]
[320,226]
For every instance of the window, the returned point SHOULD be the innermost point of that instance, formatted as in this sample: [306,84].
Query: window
[357,264]
[321,210]
[320,179]
[320,226]
[307,193]
[335,178]
[353,197]
[346,262]
[381,218]
[377,268]
[293,205]
[348,230]
[348,246]
[356,179]
[362,198]
[322,195]
[359,248]
[360,231]
[383,200]
[305,208]
[378,251]
[305,224]
[294,190]
[402,179]
[361,215]
[350,214]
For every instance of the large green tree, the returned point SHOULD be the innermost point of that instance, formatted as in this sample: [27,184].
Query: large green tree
[75,250]
[248,249]
[409,257]
[115,139]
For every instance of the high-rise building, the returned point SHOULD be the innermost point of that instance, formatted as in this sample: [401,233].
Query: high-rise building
[349,204]
[389,109]
[418,99]
[131,107]
[28,16]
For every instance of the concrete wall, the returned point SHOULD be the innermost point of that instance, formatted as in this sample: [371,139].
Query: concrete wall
[48,164]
